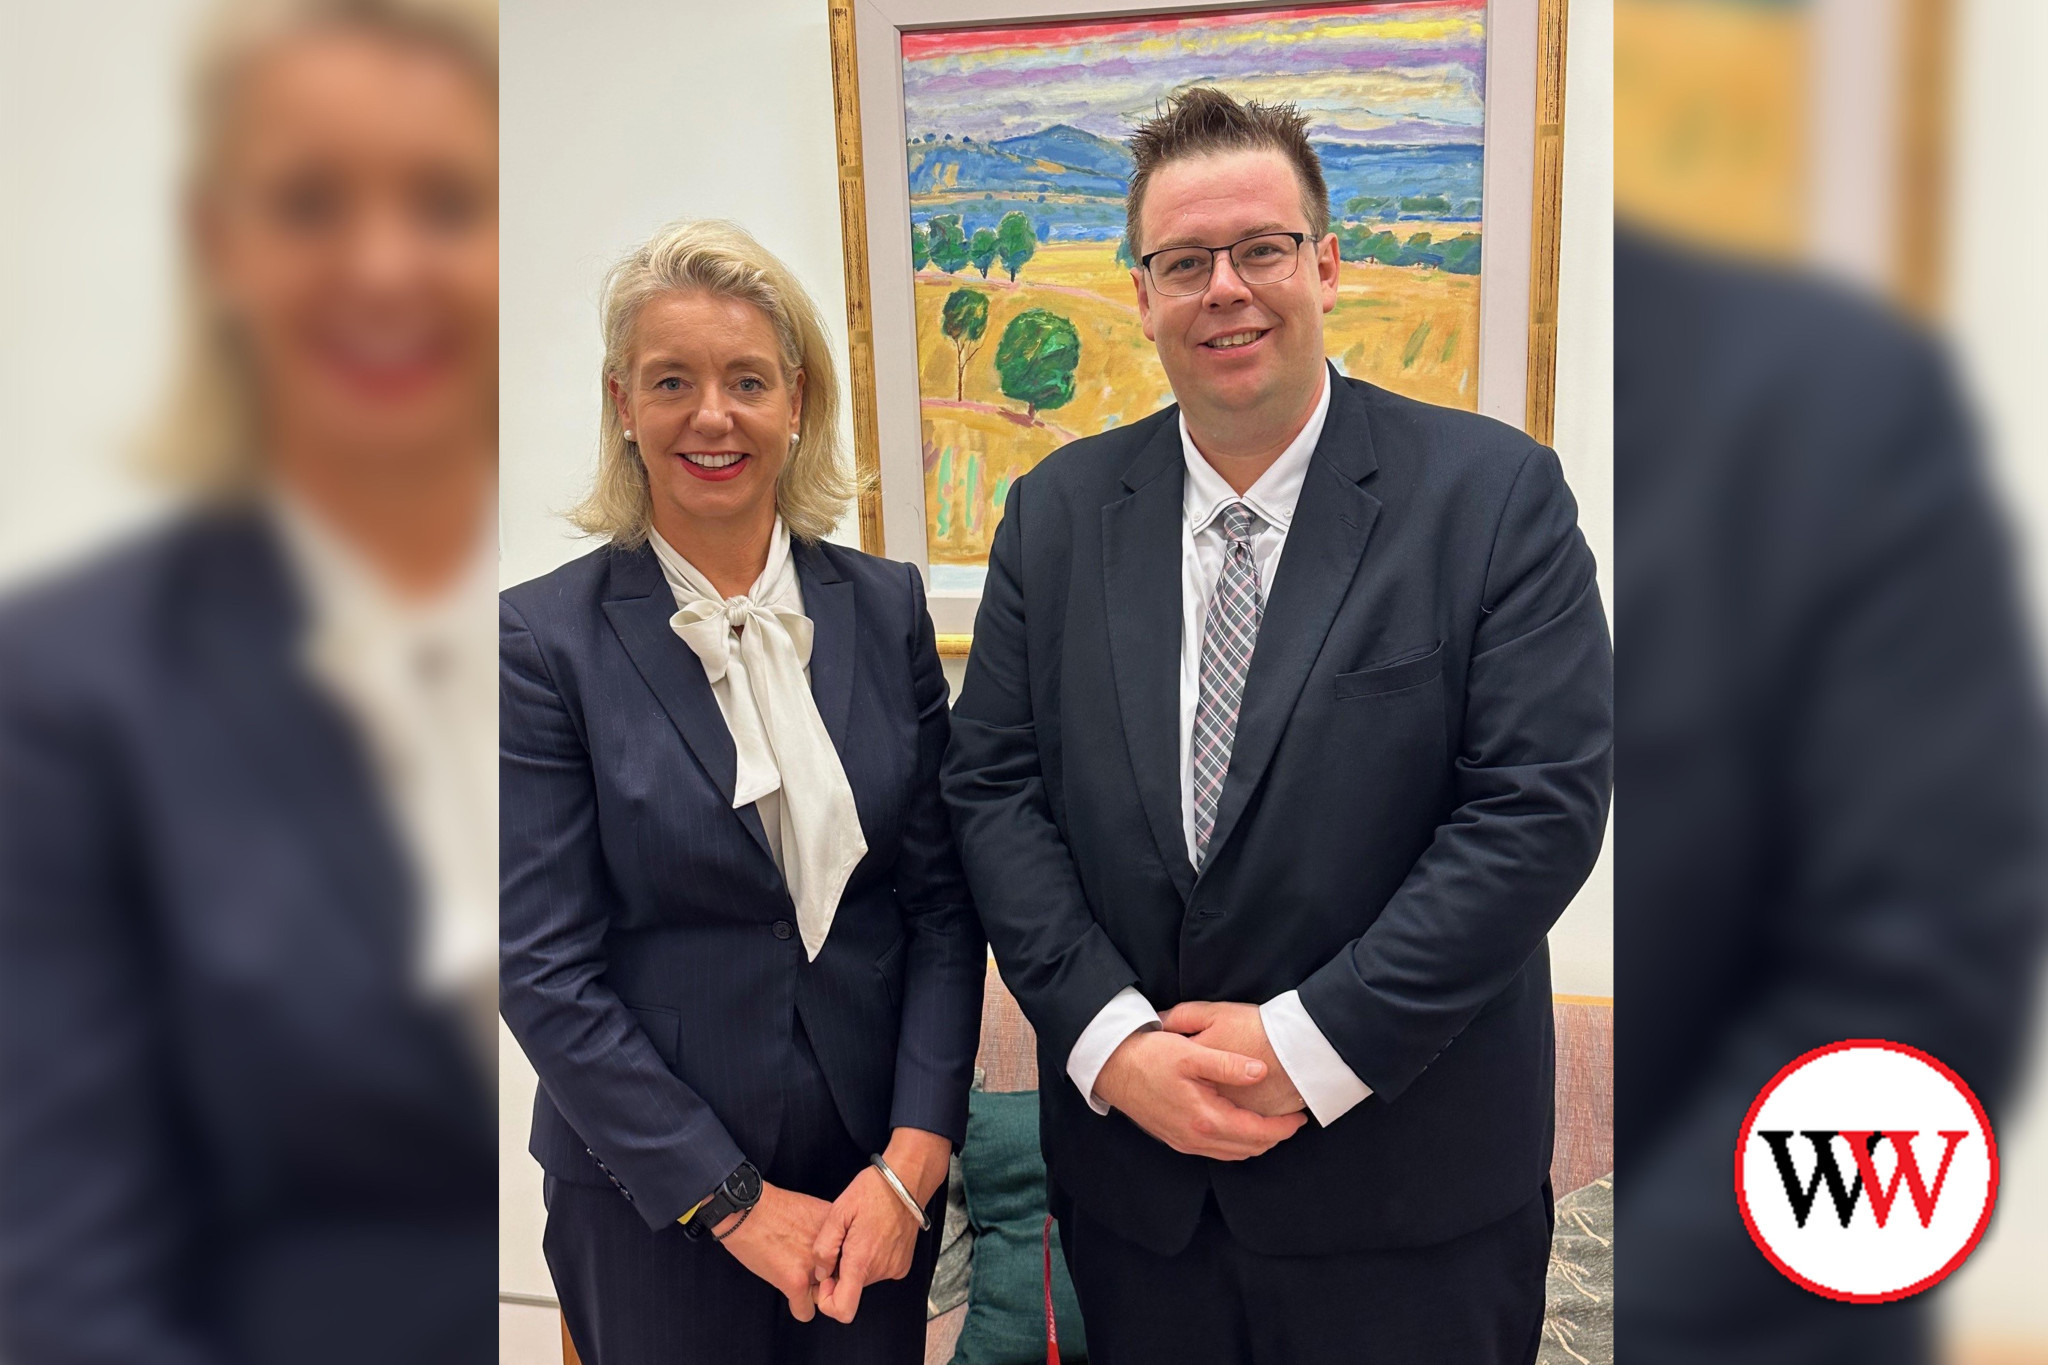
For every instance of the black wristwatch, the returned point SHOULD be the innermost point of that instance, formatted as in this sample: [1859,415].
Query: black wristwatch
[740,1192]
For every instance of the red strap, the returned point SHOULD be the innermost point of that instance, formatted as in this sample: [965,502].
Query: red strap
[1052,1327]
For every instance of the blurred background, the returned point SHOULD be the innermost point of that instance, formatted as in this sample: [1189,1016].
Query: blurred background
[1827,645]
[248,819]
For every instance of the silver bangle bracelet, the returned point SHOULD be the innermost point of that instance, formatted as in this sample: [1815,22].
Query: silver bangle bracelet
[924,1223]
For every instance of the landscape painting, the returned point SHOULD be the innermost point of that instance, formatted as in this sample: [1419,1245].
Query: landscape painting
[1027,321]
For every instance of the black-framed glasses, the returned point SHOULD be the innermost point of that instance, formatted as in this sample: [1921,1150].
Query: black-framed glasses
[1267,258]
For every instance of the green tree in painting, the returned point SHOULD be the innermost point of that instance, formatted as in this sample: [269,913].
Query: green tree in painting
[1461,254]
[1383,247]
[1353,243]
[920,247]
[1036,360]
[982,250]
[949,242]
[1425,203]
[1123,253]
[963,320]
[1415,251]
[1015,242]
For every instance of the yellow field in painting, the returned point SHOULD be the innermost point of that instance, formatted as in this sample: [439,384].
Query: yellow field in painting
[1413,331]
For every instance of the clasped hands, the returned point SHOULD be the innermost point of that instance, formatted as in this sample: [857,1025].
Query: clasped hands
[819,1255]
[1205,1083]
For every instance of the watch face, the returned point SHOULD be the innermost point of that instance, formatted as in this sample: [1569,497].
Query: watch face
[744,1185]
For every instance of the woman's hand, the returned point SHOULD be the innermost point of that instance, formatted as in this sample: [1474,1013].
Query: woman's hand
[869,1235]
[775,1242]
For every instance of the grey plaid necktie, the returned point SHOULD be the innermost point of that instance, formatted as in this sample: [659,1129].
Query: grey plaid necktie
[1228,634]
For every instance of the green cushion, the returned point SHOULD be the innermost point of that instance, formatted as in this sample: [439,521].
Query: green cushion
[1005,1179]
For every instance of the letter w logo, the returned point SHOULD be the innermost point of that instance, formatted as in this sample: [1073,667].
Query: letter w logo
[1863,1147]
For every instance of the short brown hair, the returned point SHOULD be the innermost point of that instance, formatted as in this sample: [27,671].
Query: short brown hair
[1203,121]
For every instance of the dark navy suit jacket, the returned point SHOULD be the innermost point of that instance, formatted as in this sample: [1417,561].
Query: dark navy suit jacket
[650,966]
[1417,786]
[1832,742]
[229,1128]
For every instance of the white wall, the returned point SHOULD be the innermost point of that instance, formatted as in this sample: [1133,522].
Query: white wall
[87,262]
[612,128]
[1582,944]
[1997,298]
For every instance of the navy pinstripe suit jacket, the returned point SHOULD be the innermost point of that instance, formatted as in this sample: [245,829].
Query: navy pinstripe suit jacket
[650,968]
[224,1110]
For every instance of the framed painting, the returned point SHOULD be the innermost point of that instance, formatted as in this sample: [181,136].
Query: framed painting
[990,308]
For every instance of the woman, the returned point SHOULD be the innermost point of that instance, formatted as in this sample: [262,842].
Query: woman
[736,943]
[247,920]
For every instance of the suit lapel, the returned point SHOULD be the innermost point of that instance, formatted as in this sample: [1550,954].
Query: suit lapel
[248,621]
[243,616]
[1141,548]
[1325,543]
[639,606]
[828,601]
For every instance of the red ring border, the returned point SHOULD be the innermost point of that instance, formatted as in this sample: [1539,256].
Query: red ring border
[1749,1122]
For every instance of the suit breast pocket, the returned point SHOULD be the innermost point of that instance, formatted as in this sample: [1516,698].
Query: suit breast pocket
[1411,669]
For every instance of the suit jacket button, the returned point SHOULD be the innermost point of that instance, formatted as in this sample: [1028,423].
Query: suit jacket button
[783,928]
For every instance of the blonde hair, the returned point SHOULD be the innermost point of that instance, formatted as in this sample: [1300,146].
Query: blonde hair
[204,442]
[723,260]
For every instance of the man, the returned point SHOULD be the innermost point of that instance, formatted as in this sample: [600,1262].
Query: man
[1289,715]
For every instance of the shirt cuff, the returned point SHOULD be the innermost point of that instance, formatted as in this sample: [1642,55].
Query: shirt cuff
[1327,1085]
[1127,1012]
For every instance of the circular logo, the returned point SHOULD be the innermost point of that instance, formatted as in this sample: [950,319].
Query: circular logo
[1866,1171]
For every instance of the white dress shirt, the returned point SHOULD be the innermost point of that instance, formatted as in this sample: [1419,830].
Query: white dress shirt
[1327,1085]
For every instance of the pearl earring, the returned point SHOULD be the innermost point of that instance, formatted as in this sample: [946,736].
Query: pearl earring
[629,433]
[793,437]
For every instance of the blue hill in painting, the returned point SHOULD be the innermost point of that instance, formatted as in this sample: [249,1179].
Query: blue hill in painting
[1439,181]
[1068,146]
[980,168]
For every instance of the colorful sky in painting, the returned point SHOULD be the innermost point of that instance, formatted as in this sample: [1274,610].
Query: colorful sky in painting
[1369,73]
